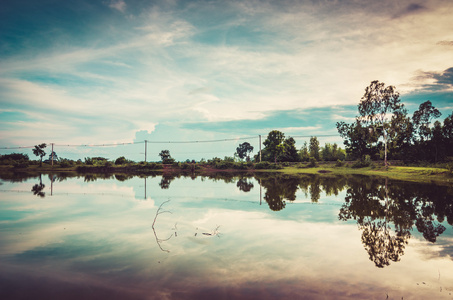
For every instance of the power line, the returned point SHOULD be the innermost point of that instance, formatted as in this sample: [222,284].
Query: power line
[99,145]
[163,142]
[134,143]
[208,141]
[315,135]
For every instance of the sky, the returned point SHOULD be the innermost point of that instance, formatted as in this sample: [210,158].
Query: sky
[89,72]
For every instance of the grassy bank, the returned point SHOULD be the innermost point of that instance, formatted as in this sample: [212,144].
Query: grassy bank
[413,174]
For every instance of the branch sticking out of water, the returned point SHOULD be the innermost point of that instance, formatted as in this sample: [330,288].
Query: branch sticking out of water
[215,232]
[158,240]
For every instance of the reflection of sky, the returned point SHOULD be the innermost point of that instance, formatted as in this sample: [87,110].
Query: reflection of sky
[96,239]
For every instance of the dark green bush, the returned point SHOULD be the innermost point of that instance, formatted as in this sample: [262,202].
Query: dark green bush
[312,163]
[265,165]
[14,157]
[364,162]
[149,166]
[262,165]
[21,164]
[121,161]
[66,163]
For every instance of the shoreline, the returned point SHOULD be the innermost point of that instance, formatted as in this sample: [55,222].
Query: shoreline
[403,173]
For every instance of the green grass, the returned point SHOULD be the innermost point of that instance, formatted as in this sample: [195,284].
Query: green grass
[414,174]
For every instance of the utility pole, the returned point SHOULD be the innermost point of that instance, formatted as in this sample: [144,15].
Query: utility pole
[52,154]
[260,147]
[146,146]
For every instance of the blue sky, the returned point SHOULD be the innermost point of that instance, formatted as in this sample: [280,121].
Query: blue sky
[122,71]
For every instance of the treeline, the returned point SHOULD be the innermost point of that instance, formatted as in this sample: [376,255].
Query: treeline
[384,130]
[277,148]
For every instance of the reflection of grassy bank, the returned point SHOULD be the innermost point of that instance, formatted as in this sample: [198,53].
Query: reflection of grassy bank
[414,174]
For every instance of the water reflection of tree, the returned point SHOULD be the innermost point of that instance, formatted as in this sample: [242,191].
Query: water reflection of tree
[166,180]
[123,177]
[313,185]
[95,176]
[37,189]
[244,185]
[279,189]
[378,206]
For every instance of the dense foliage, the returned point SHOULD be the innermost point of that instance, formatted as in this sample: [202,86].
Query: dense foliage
[383,129]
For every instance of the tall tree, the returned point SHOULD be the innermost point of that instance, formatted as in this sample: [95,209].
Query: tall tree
[314,147]
[422,118]
[274,139]
[304,155]
[39,151]
[358,139]
[289,152]
[447,133]
[376,106]
[244,150]
[401,135]
[166,157]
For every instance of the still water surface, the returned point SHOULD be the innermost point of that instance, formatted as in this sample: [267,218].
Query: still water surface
[224,237]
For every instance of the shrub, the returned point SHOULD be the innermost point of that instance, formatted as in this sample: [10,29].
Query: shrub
[364,162]
[121,161]
[66,163]
[240,166]
[450,167]
[149,166]
[14,157]
[21,164]
[262,165]
[267,165]
[312,163]
[168,160]
[339,163]
[224,165]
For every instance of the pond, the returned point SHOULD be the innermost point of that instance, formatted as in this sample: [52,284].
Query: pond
[224,236]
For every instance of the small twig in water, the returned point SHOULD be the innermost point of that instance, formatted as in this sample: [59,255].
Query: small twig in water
[214,232]
[158,240]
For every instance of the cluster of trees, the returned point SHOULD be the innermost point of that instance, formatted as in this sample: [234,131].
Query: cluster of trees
[277,148]
[330,152]
[383,129]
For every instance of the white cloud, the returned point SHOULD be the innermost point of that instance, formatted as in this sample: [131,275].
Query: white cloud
[161,70]
[119,5]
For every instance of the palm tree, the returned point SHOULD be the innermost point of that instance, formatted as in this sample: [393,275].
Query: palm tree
[38,151]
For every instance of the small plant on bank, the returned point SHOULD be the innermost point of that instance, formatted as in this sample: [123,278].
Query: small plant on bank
[66,163]
[364,162]
[262,165]
[449,167]
[122,161]
[339,163]
[312,162]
